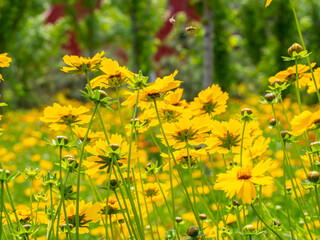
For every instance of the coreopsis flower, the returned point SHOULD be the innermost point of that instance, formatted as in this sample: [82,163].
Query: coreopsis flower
[24,215]
[211,101]
[241,181]
[181,157]
[81,64]
[226,137]
[91,136]
[152,191]
[4,62]
[187,131]
[88,213]
[61,116]
[100,155]
[310,85]
[113,206]
[268,3]
[114,76]
[155,91]
[174,98]
[289,75]
[305,121]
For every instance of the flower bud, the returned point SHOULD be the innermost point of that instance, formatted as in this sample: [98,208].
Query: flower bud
[135,120]
[62,138]
[148,165]
[65,157]
[247,110]
[313,176]
[71,161]
[296,47]
[64,227]
[178,219]
[315,144]
[285,133]
[26,226]
[193,231]
[235,203]
[278,81]
[7,172]
[276,223]
[114,146]
[249,227]
[203,216]
[272,122]
[191,29]
[270,96]
[103,94]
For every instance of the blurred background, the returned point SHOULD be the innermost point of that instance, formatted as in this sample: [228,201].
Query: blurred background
[236,43]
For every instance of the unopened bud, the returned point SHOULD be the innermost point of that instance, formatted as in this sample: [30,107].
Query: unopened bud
[296,47]
[193,231]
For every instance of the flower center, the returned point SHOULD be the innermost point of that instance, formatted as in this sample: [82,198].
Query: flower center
[244,173]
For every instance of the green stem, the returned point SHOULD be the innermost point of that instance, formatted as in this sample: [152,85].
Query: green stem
[267,225]
[317,197]
[79,172]
[304,46]
[175,162]
[239,222]
[242,137]
[1,207]
[297,86]
[120,113]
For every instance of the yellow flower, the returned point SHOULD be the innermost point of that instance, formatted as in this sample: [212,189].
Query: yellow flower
[152,191]
[268,3]
[100,158]
[114,76]
[226,136]
[305,121]
[185,130]
[211,101]
[311,86]
[88,213]
[242,180]
[92,136]
[4,60]
[81,64]
[155,91]
[289,75]
[61,115]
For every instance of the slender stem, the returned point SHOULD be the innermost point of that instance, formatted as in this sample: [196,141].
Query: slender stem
[12,204]
[317,197]
[267,225]
[108,190]
[293,185]
[1,207]
[79,172]
[242,137]
[175,162]
[131,136]
[239,222]
[297,85]
[304,46]
[120,113]
[103,126]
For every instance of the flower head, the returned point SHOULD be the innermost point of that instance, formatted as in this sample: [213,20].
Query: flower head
[211,101]
[242,180]
[82,65]
[64,115]
[114,76]
[305,121]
